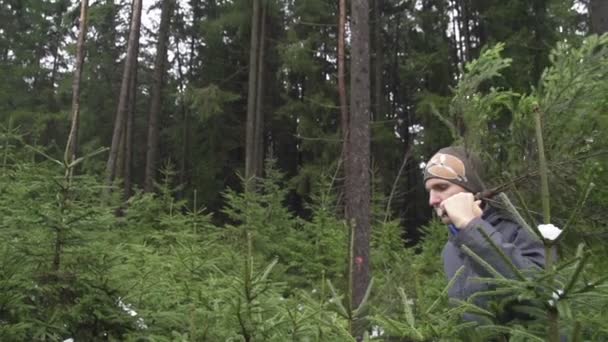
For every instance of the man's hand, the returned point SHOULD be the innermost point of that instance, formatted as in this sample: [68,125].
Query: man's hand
[461,208]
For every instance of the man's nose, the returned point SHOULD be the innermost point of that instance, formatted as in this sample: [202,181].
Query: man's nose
[434,199]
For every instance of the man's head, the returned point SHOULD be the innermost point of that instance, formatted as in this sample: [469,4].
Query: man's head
[450,171]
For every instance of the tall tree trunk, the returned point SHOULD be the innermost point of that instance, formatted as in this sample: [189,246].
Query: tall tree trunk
[459,22]
[394,80]
[157,88]
[598,12]
[358,192]
[130,61]
[466,32]
[183,164]
[455,50]
[72,144]
[120,158]
[378,107]
[52,101]
[341,76]
[259,111]
[184,177]
[128,142]
[250,146]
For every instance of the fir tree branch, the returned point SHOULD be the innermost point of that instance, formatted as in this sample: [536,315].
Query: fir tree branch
[482,262]
[445,290]
[502,254]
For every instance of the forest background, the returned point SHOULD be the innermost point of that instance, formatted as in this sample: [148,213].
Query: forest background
[251,170]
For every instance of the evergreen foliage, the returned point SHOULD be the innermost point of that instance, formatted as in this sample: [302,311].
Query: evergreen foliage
[201,260]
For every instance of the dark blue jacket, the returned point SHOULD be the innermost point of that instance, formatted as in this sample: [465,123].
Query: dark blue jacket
[522,248]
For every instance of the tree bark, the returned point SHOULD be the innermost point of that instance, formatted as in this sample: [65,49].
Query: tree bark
[341,76]
[394,81]
[459,22]
[259,111]
[378,107]
[598,13]
[250,145]
[466,16]
[183,164]
[455,50]
[119,121]
[128,142]
[157,88]
[72,144]
[358,187]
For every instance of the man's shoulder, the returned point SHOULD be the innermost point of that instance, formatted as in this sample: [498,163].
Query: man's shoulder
[495,216]
[503,222]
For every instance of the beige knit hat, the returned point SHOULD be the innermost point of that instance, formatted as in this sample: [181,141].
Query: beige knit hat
[456,165]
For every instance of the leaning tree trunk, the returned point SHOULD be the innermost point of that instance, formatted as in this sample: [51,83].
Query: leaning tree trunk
[358,192]
[120,119]
[72,144]
[156,104]
[128,148]
[598,13]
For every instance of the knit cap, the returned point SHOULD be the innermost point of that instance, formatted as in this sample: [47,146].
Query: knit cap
[456,165]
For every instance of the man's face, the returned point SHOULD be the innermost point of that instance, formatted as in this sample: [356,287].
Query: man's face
[440,190]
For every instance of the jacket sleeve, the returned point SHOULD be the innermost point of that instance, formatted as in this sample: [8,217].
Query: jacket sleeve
[524,251]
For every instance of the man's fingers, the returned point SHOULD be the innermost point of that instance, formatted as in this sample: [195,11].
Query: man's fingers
[441,211]
[477,208]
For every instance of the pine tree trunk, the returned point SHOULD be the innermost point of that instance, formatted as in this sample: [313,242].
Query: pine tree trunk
[157,87]
[466,16]
[51,101]
[394,80]
[598,12]
[358,191]
[259,111]
[128,143]
[341,76]
[378,107]
[72,144]
[250,143]
[183,164]
[459,21]
[120,158]
[455,50]
[184,178]
[119,121]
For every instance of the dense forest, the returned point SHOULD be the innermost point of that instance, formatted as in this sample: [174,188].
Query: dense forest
[252,170]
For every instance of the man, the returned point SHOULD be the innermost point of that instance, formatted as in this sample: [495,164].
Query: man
[452,178]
